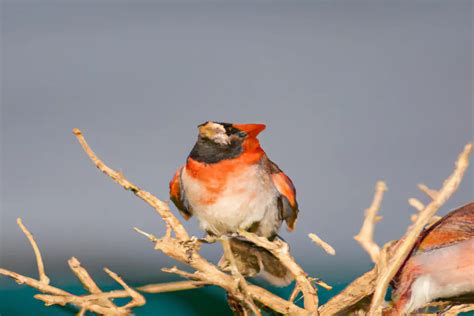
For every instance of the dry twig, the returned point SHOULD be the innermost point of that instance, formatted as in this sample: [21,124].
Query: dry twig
[280,249]
[318,241]
[39,260]
[366,234]
[98,302]
[171,286]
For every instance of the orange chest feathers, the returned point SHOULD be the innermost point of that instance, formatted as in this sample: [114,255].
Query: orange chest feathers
[214,178]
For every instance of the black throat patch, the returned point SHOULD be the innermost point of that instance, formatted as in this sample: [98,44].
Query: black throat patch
[210,152]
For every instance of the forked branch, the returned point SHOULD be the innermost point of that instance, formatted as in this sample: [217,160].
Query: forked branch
[98,302]
[366,234]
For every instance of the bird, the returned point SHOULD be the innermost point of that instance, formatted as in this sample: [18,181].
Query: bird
[229,184]
[440,265]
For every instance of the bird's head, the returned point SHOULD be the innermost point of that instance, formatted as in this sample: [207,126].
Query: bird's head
[227,133]
[218,141]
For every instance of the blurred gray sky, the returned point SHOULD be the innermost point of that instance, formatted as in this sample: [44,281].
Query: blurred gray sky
[350,92]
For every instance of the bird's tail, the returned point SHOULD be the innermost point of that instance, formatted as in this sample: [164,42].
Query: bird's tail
[252,260]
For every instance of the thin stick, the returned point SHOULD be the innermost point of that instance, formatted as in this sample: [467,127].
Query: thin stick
[449,187]
[39,260]
[83,302]
[86,280]
[37,284]
[366,234]
[417,204]
[160,207]
[322,284]
[171,286]
[318,241]
[294,293]
[429,192]
[137,298]
[179,272]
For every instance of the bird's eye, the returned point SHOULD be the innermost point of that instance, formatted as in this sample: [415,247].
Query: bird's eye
[242,134]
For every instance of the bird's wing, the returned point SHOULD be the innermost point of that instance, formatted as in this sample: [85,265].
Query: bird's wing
[177,194]
[455,227]
[287,204]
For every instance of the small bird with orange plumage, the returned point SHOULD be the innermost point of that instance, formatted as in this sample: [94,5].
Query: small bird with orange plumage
[230,184]
[440,266]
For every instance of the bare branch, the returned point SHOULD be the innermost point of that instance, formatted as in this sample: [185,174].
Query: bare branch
[137,298]
[322,284]
[86,280]
[171,286]
[241,282]
[429,192]
[41,286]
[210,274]
[360,288]
[39,260]
[318,241]
[417,204]
[97,302]
[366,234]
[152,237]
[449,187]
[184,274]
[160,207]
[294,293]
[280,249]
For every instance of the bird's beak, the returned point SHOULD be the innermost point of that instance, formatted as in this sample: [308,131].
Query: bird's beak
[251,129]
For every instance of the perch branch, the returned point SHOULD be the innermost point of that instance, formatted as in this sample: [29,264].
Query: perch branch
[241,282]
[450,185]
[366,235]
[280,249]
[208,273]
